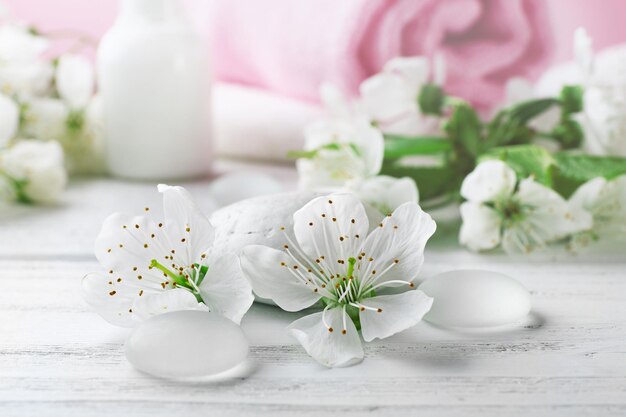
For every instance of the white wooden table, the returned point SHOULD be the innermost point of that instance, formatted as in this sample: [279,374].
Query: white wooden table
[58,358]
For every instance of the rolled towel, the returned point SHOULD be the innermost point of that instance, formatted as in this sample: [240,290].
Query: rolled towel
[255,124]
[291,47]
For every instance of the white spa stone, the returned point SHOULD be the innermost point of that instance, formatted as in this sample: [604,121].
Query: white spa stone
[475,299]
[186,344]
[256,221]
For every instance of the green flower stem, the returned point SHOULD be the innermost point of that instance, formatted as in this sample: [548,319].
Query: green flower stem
[178,279]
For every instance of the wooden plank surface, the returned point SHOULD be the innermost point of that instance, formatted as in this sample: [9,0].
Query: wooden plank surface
[57,358]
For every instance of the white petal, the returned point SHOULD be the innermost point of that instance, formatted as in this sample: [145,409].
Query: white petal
[334,227]
[126,242]
[269,272]
[111,301]
[330,349]
[583,51]
[75,80]
[489,180]
[225,290]
[189,231]
[552,218]
[396,247]
[587,194]
[9,119]
[388,97]
[164,302]
[415,71]
[371,144]
[397,313]
[481,227]
[386,193]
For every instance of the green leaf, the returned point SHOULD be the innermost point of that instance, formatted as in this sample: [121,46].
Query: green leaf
[431,181]
[571,99]
[575,170]
[509,127]
[465,128]
[526,161]
[399,146]
[431,99]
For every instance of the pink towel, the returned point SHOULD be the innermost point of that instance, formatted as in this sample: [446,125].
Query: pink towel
[292,46]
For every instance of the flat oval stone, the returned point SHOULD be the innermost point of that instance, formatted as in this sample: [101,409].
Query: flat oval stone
[475,298]
[186,344]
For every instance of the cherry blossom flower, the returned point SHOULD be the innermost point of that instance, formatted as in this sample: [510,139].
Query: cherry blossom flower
[152,266]
[520,215]
[330,260]
[35,171]
[606,201]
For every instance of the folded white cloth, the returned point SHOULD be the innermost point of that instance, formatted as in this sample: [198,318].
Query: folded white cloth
[256,124]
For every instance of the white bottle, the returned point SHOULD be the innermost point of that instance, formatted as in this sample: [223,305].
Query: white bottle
[154,80]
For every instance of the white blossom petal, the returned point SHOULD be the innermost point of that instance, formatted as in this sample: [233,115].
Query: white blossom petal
[113,302]
[587,194]
[553,217]
[489,181]
[385,193]
[40,165]
[329,348]
[481,227]
[154,304]
[333,227]
[224,288]
[127,241]
[395,249]
[9,119]
[189,231]
[75,80]
[272,276]
[389,314]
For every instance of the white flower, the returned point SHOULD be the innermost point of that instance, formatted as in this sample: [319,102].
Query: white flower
[385,193]
[334,261]
[22,70]
[9,119]
[390,98]
[157,266]
[44,118]
[36,169]
[341,151]
[75,80]
[606,201]
[603,77]
[520,216]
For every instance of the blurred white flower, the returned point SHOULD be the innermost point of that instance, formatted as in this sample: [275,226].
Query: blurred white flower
[75,80]
[603,77]
[44,118]
[36,169]
[339,151]
[9,119]
[606,201]
[157,266]
[390,98]
[22,70]
[522,216]
[385,193]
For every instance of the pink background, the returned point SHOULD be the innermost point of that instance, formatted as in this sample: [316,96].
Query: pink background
[603,19]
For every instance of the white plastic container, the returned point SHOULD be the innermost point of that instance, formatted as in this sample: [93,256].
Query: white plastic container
[154,80]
